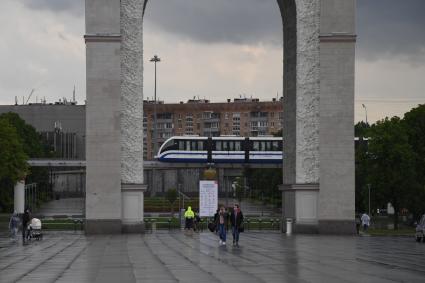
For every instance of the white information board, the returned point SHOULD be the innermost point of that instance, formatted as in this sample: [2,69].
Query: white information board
[208,198]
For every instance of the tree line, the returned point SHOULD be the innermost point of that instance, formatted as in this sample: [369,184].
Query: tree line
[19,141]
[390,162]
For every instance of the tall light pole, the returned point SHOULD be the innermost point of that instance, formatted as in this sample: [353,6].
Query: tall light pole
[365,110]
[155,59]
[368,186]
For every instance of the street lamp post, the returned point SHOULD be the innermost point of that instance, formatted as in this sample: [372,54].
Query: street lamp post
[365,110]
[155,59]
[368,186]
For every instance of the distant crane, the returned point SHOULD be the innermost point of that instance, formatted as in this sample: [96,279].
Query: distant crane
[32,91]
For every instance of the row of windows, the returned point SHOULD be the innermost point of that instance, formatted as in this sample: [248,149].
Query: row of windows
[267,146]
[211,114]
[259,124]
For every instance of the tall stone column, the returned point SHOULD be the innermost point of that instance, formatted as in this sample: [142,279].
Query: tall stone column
[300,189]
[337,54]
[19,197]
[103,110]
[132,183]
[318,174]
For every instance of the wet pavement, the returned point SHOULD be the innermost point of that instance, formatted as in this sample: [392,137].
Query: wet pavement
[177,257]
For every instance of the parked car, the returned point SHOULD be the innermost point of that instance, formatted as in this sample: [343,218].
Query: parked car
[420,230]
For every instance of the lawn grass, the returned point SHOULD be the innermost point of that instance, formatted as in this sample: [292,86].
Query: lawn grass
[387,232]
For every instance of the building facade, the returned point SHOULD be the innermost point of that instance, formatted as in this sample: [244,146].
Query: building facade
[241,117]
[62,126]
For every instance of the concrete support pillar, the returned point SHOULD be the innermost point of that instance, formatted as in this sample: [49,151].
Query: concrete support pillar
[222,185]
[19,197]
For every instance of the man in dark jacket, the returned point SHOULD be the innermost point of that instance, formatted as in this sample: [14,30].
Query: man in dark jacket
[236,219]
[26,217]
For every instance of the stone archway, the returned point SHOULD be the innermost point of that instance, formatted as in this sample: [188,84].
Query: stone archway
[318,185]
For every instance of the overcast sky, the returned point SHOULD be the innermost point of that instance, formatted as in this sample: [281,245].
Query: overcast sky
[214,49]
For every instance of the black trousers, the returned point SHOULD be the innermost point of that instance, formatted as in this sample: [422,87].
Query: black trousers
[24,233]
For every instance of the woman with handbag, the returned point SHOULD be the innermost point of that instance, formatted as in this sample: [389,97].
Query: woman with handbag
[236,219]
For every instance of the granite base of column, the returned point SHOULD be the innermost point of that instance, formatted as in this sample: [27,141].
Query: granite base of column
[306,228]
[337,227]
[133,208]
[133,228]
[103,226]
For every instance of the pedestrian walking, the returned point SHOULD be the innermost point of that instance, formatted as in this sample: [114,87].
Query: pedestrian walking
[26,217]
[13,225]
[216,221]
[236,219]
[189,215]
[222,223]
[197,223]
[365,222]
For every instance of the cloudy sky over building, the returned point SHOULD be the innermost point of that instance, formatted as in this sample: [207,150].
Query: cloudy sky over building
[212,49]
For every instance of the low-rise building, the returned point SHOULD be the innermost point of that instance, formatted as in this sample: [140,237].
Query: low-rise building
[63,124]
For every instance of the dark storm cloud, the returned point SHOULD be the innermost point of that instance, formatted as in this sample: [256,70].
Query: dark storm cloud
[75,7]
[235,21]
[385,27]
[391,28]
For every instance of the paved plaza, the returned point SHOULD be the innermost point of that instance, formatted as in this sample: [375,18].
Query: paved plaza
[176,257]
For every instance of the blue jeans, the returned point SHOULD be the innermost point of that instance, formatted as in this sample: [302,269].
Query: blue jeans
[222,232]
[235,233]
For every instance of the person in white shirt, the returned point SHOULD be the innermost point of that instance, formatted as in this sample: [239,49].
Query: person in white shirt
[365,221]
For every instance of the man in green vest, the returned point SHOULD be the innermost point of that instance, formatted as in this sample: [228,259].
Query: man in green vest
[189,215]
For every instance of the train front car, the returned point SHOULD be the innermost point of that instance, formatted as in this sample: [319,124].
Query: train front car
[184,149]
[224,149]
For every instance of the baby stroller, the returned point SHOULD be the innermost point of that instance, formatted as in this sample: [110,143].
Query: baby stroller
[34,229]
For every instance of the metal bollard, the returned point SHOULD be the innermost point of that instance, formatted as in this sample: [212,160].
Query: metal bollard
[288,226]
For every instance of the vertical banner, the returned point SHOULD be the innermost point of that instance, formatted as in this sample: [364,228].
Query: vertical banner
[208,198]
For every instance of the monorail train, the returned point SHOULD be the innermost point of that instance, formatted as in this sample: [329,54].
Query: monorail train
[224,149]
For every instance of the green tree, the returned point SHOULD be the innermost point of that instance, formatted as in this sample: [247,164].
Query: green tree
[33,147]
[13,163]
[415,125]
[29,138]
[392,164]
[171,196]
[361,157]
[264,184]
[13,160]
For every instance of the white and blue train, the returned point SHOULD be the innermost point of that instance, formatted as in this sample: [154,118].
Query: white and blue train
[224,149]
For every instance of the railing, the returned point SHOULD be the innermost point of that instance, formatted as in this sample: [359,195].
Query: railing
[250,223]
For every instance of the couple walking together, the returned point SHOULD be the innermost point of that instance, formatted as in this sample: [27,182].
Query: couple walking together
[236,220]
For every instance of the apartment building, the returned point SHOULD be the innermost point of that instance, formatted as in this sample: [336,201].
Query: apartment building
[63,125]
[240,117]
